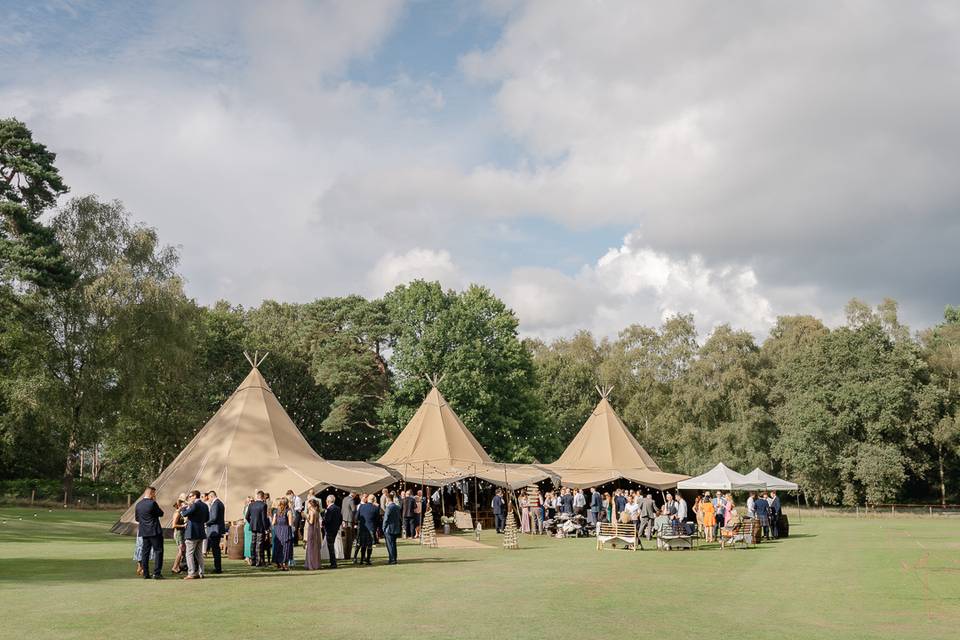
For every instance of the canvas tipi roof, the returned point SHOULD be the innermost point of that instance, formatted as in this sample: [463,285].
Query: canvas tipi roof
[604,450]
[722,478]
[436,448]
[249,444]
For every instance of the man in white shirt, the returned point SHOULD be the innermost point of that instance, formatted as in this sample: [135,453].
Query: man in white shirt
[681,508]
[751,501]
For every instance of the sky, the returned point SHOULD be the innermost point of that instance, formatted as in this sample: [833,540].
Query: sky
[594,163]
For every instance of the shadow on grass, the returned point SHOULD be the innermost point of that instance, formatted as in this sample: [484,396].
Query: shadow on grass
[89,570]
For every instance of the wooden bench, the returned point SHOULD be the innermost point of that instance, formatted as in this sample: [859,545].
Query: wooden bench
[672,536]
[742,533]
[609,531]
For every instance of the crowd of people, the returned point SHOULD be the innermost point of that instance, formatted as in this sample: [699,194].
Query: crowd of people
[709,515]
[273,528]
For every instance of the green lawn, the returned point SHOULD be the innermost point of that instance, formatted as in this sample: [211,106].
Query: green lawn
[62,575]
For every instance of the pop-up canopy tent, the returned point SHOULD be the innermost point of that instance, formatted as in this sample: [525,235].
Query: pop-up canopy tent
[249,444]
[604,450]
[772,482]
[437,449]
[722,478]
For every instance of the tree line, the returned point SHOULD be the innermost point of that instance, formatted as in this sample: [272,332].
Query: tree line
[103,357]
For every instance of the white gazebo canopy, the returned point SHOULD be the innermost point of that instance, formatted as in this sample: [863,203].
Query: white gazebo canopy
[722,478]
[772,482]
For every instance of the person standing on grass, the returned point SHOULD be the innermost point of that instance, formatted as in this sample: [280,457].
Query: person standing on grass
[283,532]
[312,535]
[762,509]
[499,511]
[774,515]
[197,514]
[391,528]
[409,508]
[708,514]
[367,516]
[179,524]
[579,502]
[258,523]
[215,529]
[332,521]
[148,514]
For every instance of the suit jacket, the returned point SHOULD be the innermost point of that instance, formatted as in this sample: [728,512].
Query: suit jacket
[775,506]
[367,516]
[197,515]
[762,508]
[257,518]
[648,508]
[215,524]
[596,502]
[409,507]
[567,503]
[621,502]
[148,514]
[332,519]
[391,519]
[349,510]
[499,506]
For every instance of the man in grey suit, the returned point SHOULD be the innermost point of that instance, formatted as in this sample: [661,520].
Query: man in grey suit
[648,513]
[348,510]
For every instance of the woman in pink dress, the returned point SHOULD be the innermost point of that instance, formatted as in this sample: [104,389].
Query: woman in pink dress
[312,535]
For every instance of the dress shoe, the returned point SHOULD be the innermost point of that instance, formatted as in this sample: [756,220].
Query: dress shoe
[218,570]
[146,577]
[159,577]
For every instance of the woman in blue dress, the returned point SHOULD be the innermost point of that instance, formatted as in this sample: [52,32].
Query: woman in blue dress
[283,535]
[247,538]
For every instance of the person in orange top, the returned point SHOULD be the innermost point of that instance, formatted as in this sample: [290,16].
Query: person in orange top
[709,515]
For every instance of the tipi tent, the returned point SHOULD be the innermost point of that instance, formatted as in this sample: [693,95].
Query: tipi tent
[772,482]
[604,450]
[249,444]
[436,449]
[722,478]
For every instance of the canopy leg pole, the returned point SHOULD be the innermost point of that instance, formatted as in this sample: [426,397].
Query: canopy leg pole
[476,504]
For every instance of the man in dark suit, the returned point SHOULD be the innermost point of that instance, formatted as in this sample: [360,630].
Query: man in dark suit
[499,511]
[368,514]
[148,513]
[409,515]
[566,502]
[215,528]
[391,528]
[332,519]
[596,506]
[258,524]
[197,514]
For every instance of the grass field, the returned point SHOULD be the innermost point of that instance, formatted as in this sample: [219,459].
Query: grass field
[62,575]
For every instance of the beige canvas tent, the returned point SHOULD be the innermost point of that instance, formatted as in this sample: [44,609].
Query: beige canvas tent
[604,450]
[249,444]
[436,448]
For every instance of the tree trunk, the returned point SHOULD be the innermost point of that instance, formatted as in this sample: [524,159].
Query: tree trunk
[68,469]
[943,488]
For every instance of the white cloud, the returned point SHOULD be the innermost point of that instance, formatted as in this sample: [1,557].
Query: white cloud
[426,264]
[636,284]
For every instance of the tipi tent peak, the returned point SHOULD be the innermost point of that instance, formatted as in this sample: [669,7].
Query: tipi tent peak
[437,449]
[604,450]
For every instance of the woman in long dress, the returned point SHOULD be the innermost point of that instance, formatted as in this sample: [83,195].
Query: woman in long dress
[247,538]
[179,524]
[312,536]
[283,535]
[524,514]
